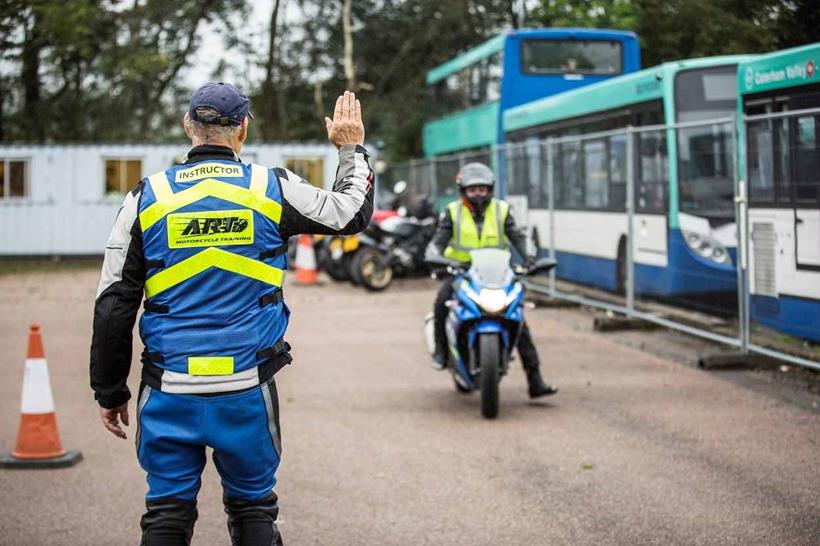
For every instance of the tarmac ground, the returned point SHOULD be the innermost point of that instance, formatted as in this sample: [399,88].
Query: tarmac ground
[637,447]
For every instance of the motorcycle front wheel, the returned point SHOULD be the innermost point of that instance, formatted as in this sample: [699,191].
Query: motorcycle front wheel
[489,348]
[367,268]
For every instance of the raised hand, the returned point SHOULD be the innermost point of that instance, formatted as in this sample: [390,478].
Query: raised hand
[346,127]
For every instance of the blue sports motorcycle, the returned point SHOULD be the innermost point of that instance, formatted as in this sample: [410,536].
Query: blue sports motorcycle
[485,319]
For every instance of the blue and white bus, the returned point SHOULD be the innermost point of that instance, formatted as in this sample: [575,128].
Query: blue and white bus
[684,230]
[779,107]
[469,94]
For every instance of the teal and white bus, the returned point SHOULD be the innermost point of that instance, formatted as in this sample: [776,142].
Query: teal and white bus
[684,230]
[779,106]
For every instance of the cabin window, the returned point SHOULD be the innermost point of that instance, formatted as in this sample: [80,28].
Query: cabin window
[14,178]
[121,174]
[311,169]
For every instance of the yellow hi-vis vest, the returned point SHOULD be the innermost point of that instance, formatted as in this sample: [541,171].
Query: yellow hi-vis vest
[465,233]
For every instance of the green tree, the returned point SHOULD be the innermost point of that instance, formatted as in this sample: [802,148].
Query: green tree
[90,70]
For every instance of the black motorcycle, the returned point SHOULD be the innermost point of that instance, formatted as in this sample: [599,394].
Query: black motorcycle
[394,246]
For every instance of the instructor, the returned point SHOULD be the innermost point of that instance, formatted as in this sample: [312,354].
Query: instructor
[205,243]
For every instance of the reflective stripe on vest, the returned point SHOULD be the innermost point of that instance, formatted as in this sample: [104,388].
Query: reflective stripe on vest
[212,257]
[465,232]
[253,198]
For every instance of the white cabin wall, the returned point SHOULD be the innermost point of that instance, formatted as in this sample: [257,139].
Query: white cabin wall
[67,212]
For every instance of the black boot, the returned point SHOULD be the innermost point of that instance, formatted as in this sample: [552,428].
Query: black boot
[537,387]
[253,523]
[168,522]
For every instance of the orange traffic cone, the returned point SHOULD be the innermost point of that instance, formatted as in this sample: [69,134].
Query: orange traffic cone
[38,441]
[305,261]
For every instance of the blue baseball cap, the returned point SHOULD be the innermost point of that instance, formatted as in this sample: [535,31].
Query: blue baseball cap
[231,104]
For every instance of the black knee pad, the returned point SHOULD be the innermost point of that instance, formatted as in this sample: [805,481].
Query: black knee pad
[253,523]
[168,522]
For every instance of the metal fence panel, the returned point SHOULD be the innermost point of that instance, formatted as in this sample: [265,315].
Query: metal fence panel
[688,255]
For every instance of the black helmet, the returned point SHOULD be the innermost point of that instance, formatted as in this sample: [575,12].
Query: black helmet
[475,174]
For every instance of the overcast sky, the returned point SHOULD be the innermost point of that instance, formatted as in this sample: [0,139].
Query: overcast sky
[239,70]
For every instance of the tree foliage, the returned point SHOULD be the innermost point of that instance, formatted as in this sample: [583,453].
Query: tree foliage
[104,70]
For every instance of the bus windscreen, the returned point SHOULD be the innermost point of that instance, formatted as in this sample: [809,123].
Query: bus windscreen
[705,163]
[592,57]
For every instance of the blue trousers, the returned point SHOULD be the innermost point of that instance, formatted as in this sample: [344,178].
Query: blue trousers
[242,428]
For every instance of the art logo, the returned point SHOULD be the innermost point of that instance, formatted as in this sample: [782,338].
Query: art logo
[214,228]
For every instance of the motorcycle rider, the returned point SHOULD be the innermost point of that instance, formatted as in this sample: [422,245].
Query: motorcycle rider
[478,220]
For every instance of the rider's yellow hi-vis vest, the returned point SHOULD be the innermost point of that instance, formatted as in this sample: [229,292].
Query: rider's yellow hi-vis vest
[465,233]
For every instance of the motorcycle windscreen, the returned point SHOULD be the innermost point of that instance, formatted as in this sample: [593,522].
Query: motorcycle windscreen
[491,267]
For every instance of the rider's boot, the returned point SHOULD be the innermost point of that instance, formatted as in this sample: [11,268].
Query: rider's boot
[537,387]
[253,523]
[168,522]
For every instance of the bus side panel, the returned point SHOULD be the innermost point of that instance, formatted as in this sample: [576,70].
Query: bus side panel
[587,245]
[471,128]
[795,316]
[783,296]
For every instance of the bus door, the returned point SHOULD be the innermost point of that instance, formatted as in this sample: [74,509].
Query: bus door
[807,192]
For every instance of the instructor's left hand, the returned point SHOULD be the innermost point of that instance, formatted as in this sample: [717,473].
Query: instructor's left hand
[111,419]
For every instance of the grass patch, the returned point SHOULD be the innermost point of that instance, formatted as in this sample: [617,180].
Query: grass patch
[17,266]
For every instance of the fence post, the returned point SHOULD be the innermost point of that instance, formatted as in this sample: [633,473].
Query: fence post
[412,175]
[433,181]
[551,206]
[630,217]
[740,227]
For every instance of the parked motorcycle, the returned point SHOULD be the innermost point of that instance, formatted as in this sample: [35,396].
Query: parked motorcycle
[393,246]
[485,319]
[334,255]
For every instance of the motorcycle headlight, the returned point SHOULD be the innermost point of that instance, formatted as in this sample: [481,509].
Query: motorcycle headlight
[492,301]
[706,247]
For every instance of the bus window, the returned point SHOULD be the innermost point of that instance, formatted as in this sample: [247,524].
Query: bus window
[806,160]
[650,192]
[471,86]
[705,164]
[572,188]
[761,161]
[596,195]
[599,57]
[617,171]
[492,78]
